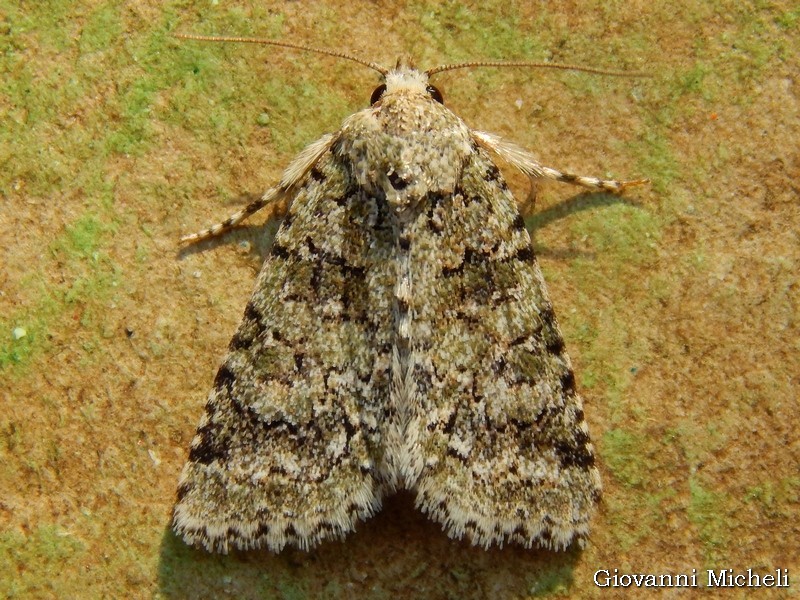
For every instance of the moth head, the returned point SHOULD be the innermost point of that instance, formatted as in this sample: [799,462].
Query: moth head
[431,90]
[406,77]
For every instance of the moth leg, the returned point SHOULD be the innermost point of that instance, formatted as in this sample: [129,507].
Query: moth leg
[527,163]
[269,196]
[293,174]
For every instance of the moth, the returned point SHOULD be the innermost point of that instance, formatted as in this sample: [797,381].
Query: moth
[399,336]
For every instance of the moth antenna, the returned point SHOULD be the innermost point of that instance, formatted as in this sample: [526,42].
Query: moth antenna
[248,40]
[528,63]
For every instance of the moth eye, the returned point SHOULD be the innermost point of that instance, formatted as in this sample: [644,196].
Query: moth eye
[435,93]
[376,95]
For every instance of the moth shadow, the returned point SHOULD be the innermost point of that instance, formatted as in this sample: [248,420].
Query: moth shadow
[581,202]
[397,552]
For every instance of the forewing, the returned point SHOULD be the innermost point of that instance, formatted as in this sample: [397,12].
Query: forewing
[288,450]
[499,443]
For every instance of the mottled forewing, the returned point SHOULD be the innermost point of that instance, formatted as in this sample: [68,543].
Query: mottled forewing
[288,449]
[503,450]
